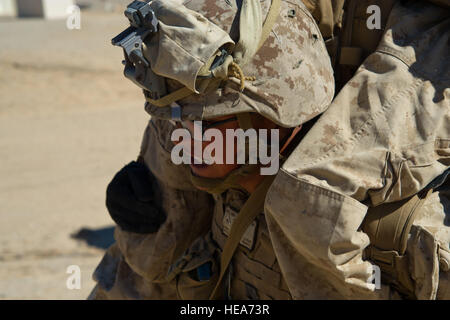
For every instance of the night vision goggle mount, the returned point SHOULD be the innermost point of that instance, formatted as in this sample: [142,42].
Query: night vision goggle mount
[143,23]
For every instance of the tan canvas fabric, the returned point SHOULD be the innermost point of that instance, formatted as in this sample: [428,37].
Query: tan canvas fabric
[250,29]
[155,150]
[294,78]
[428,248]
[116,280]
[384,138]
[145,259]
[184,43]
[327,13]
[255,270]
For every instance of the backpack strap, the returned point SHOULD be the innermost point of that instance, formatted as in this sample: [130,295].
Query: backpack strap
[348,40]
[252,207]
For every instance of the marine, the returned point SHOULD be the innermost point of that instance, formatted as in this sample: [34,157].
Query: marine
[355,164]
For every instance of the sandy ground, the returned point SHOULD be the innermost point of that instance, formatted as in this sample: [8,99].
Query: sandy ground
[68,121]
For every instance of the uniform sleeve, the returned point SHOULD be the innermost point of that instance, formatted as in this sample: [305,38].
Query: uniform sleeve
[137,264]
[188,210]
[383,139]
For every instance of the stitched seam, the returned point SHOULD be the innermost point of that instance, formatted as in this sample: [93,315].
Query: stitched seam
[326,192]
[369,122]
[409,62]
[398,55]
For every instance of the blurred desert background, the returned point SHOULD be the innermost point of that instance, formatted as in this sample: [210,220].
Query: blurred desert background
[68,121]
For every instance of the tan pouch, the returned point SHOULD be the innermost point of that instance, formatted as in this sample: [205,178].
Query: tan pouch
[443,292]
[189,288]
[423,260]
[184,270]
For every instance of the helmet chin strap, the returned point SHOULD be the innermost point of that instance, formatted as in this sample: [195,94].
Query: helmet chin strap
[245,121]
[231,181]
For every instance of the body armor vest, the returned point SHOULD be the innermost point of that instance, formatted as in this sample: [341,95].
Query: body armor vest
[254,272]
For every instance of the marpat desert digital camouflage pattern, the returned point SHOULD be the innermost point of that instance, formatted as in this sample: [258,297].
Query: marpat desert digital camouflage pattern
[294,78]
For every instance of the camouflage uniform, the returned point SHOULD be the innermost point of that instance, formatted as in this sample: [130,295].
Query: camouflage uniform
[383,139]
[135,266]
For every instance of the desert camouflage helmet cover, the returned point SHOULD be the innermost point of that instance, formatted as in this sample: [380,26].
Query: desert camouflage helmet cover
[293,78]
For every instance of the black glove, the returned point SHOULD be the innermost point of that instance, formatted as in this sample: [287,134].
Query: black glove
[133,201]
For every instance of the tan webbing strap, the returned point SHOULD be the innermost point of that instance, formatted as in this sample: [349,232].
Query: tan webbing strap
[347,32]
[220,185]
[351,56]
[245,121]
[388,226]
[270,20]
[252,207]
[174,96]
[345,71]
[326,19]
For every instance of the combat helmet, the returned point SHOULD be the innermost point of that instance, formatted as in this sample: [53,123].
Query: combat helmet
[202,59]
